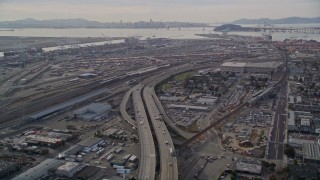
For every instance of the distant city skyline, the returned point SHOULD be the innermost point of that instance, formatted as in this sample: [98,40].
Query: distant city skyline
[206,11]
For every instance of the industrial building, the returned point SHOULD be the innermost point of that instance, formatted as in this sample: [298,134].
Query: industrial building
[90,143]
[207,100]
[74,150]
[240,67]
[69,169]
[236,67]
[186,107]
[316,124]
[249,166]
[64,106]
[298,143]
[94,111]
[42,140]
[40,171]
[311,153]
[87,75]
[291,121]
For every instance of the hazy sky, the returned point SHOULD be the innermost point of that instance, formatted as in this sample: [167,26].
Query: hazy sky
[167,10]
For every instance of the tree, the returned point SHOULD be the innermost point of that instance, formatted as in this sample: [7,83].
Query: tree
[234,175]
[289,151]
[98,134]
[252,78]
[273,177]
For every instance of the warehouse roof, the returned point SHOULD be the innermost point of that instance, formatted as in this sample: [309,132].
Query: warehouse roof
[233,64]
[89,142]
[264,64]
[291,119]
[39,171]
[189,107]
[311,151]
[68,103]
[253,167]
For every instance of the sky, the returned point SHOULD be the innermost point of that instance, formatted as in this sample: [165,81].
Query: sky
[206,11]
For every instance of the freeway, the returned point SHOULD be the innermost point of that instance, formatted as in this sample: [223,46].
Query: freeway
[123,107]
[148,155]
[276,147]
[168,162]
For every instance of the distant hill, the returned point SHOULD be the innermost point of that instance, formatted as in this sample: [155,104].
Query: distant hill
[83,23]
[233,27]
[289,20]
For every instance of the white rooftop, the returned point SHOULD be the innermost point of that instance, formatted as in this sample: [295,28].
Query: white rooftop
[233,64]
[67,166]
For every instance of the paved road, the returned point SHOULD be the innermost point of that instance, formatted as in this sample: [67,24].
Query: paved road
[276,147]
[148,155]
[168,162]
[123,108]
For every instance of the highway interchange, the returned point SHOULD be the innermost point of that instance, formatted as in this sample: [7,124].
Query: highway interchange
[168,162]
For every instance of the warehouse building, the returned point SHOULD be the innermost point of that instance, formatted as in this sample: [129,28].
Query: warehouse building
[240,67]
[42,140]
[64,106]
[291,121]
[316,123]
[40,171]
[298,143]
[94,111]
[69,169]
[263,68]
[311,153]
[90,143]
[233,67]
[186,107]
[207,100]
[249,166]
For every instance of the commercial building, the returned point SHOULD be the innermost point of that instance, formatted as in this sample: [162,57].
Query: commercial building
[69,169]
[40,171]
[240,67]
[94,111]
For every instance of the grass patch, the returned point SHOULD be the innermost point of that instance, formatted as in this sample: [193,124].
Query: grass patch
[184,76]
[166,86]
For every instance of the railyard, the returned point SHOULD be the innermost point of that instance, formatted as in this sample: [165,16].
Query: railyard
[155,107]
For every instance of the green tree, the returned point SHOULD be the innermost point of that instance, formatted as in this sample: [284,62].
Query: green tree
[289,151]
[273,177]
